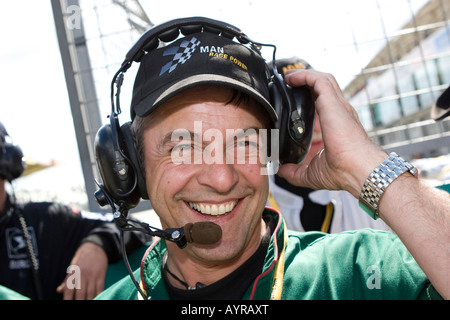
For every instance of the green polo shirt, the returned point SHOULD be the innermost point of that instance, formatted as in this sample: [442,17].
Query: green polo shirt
[360,264]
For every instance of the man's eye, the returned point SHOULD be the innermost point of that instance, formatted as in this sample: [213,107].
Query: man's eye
[247,144]
[182,148]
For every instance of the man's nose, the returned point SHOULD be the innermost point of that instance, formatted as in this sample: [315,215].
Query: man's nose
[221,177]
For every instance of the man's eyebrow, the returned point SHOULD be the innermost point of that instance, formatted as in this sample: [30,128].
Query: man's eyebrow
[240,133]
[169,136]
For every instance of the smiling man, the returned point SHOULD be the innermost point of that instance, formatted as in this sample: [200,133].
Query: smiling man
[225,193]
[182,86]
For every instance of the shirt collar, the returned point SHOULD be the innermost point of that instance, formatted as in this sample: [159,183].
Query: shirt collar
[152,278]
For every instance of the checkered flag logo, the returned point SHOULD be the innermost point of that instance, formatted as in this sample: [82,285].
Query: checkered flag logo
[181,54]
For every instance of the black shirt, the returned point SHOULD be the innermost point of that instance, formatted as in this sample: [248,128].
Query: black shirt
[56,232]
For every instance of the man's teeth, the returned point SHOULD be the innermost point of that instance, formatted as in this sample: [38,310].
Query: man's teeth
[213,209]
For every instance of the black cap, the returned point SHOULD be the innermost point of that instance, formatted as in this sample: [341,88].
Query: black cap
[441,108]
[200,58]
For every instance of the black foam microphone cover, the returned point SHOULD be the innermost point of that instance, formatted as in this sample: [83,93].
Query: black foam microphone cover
[203,232]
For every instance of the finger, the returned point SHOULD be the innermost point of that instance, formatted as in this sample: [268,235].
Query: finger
[329,100]
[311,78]
[96,290]
[60,288]
[321,87]
[65,291]
[81,292]
[100,286]
[90,291]
[294,174]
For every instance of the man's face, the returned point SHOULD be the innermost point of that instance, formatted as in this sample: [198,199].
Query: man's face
[228,193]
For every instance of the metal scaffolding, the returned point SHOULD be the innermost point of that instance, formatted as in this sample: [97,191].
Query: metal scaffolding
[80,70]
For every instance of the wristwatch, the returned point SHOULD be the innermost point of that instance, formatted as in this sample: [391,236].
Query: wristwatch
[379,179]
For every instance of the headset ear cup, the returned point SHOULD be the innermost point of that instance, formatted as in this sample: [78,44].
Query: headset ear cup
[11,162]
[18,165]
[306,109]
[275,101]
[283,117]
[293,146]
[117,174]
[130,143]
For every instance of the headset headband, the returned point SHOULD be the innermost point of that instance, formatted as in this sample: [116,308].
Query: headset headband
[115,146]
[170,30]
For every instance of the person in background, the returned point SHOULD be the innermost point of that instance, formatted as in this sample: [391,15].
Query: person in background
[441,108]
[306,209]
[50,250]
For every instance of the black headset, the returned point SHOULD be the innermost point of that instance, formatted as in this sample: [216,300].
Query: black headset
[115,147]
[12,164]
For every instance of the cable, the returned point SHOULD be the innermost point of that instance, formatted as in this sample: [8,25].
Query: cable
[127,265]
[30,249]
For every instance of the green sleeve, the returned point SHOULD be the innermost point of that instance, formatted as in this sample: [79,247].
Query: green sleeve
[8,294]
[356,265]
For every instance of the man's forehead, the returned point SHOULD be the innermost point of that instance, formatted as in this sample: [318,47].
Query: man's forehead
[198,94]
[206,100]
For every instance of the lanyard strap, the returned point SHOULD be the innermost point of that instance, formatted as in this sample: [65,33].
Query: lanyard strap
[328,216]
[277,284]
[140,297]
[272,202]
[31,255]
